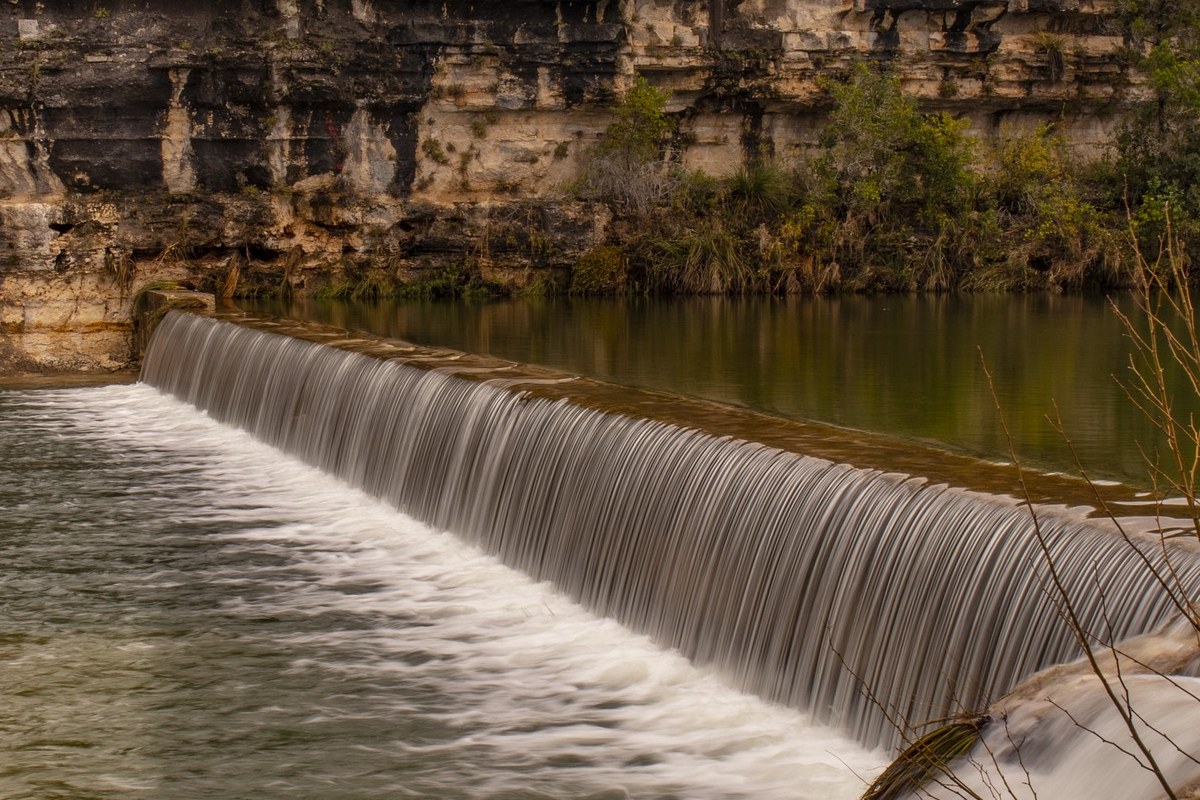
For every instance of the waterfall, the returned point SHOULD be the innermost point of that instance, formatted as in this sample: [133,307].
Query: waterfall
[835,589]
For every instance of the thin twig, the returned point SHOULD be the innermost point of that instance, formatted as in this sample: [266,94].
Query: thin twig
[1076,625]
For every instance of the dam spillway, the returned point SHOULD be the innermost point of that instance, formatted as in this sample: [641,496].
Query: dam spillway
[845,591]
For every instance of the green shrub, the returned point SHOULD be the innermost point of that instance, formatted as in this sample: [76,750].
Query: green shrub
[600,270]
[890,188]
[641,125]
[894,200]
[885,161]
[626,168]
[1158,148]
[1051,224]
[454,280]
[760,192]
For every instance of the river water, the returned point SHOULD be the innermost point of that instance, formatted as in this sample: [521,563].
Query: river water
[190,614]
[907,366]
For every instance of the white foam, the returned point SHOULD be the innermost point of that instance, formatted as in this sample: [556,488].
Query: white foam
[579,698]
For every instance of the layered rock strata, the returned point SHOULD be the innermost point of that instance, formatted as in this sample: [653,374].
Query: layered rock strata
[268,144]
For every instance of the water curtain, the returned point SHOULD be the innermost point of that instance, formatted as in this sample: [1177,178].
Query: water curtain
[860,596]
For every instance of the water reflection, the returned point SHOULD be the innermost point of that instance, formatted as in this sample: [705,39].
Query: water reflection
[909,366]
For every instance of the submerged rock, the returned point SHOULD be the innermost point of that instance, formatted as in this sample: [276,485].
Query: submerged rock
[1121,728]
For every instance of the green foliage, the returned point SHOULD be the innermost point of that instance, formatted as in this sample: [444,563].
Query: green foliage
[378,283]
[760,192]
[455,280]
[718,235]
[374,285]
[1156,21]
[1159,147]
[896,199]
[540,287]
[1049,224]
[884,159]
[711,260]
[892,190]
[1024,168]
[335,290]
[356,281]
[600,270]
[1053,47]
[641,125]
[626,168]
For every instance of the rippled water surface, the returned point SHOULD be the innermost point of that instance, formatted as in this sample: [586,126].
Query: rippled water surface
[189,614]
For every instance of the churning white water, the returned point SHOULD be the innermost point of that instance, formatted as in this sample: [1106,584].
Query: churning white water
[193,614]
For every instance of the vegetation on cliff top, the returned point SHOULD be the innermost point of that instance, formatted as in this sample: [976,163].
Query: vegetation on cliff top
[1159,145]
[891,198]
[895,199]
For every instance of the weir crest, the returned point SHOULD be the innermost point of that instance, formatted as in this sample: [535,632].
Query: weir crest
[840,590]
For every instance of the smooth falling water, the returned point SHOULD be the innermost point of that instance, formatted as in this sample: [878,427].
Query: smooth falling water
[834,589]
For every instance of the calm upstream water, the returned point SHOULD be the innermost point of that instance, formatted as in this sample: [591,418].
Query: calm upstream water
[904,366]
[190,614]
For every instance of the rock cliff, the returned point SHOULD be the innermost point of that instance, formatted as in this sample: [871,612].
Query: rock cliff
[266,145]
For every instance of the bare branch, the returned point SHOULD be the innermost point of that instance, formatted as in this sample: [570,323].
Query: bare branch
[1075,624]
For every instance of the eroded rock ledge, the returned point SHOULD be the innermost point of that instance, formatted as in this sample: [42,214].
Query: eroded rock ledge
[266,142]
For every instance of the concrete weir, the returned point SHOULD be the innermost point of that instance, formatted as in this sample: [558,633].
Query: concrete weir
[153,304]
[860,595]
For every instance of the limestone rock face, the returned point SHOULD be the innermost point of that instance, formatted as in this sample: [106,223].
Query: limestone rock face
[148,140]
